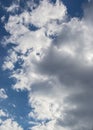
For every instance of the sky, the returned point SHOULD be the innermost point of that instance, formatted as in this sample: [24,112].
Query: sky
[46,65]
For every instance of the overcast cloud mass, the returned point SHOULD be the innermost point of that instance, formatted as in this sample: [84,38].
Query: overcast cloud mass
[50,56]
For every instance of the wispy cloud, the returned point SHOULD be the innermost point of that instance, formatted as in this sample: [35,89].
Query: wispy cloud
[3,94]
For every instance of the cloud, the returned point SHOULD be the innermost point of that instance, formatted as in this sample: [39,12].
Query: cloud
[13,8]
[3,94]
[45,13]
[9,124]
[10,60]
[2,113]
[57,65]
[51,125]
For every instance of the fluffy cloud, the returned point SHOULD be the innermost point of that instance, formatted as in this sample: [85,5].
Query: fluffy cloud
[56,67]
[9,124]
[46,13]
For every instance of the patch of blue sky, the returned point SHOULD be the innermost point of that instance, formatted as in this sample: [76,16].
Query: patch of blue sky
[17,102]
[6,3]
[17,106]
[74,7]
[5,15]
[32,27]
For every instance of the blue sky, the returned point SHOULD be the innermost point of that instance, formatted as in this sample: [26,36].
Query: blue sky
[46,64]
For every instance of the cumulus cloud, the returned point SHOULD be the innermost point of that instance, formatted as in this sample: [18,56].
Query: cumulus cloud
[46,13]
[57,65]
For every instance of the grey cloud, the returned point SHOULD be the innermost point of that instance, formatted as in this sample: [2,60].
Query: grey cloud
[68,70]
[73,72]
[77,76]
[42,88]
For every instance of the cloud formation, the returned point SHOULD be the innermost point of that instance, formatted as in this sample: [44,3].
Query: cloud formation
[9,124]
[56,65]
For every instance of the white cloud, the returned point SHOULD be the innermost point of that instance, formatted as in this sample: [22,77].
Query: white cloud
[50,109]
[3,94]
[12,8]
[48,126]
[5,122]
[2,113]
[47,12]
[10,60]
[9,124]
[57,72]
